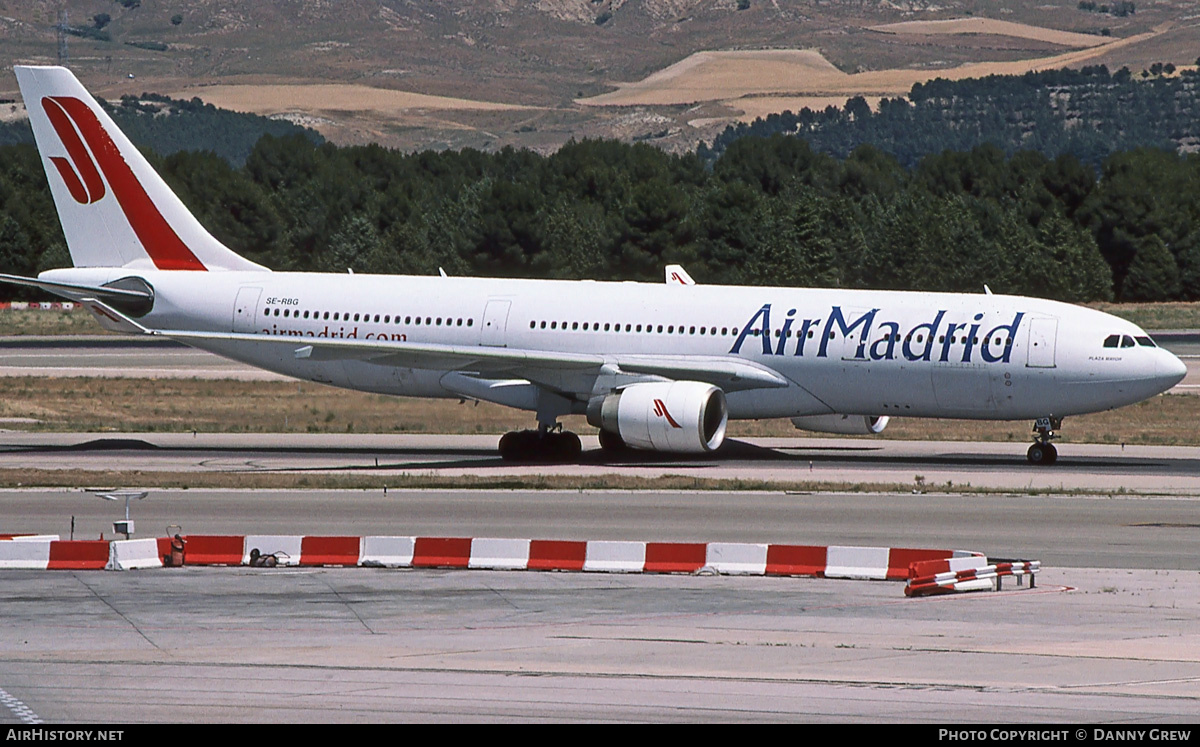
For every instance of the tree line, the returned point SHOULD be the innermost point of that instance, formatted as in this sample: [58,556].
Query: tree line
[769,211]
[1087,113]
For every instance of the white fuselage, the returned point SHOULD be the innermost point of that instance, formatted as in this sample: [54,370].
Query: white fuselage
[853,352]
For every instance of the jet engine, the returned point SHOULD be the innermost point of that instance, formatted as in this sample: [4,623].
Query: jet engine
[678,416]
[851,425]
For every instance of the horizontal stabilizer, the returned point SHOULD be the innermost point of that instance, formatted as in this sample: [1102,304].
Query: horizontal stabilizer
[135,301]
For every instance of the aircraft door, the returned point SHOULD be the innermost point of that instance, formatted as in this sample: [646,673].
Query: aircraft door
[1043,334]
[495,322]
[245,309]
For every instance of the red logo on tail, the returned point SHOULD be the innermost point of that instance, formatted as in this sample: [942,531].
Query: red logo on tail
[83,181]
[661,411]
[71,119]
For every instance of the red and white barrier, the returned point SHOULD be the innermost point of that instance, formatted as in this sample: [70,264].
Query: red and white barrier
[388,552]
[499,554]
[929,571]
[49,553]
[25,552]
[978,578]
[615,557]
[736,559]
[128,555]
[38,305]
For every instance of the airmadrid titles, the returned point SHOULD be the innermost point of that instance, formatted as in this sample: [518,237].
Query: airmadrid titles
[862,337]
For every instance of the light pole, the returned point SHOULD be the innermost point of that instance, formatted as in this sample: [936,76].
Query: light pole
[124,527]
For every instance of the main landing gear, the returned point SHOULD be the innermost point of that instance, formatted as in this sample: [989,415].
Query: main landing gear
[1043,452]
[545,446]
[612,443]
[549,444]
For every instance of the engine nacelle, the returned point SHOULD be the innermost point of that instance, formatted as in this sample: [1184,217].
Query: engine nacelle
[851,425]
[677,416]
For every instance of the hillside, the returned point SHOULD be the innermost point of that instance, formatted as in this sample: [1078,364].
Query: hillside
[489,73]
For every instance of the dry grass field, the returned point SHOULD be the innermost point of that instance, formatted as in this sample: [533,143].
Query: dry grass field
[226,406]
[991,26]
[758,82]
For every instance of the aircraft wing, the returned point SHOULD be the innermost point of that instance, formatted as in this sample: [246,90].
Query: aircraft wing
[558,371]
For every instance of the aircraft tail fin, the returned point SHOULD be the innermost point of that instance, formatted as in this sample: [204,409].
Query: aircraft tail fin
[676,275]
[116,211]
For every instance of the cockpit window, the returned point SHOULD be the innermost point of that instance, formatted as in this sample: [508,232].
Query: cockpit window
[1146,342]
[1127,341]
[1112,341]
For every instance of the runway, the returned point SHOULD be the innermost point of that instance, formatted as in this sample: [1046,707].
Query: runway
[923,465]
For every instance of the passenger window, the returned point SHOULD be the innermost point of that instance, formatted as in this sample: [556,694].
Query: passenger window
[1112,341]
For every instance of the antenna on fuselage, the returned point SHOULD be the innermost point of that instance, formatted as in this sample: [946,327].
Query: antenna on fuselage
[986,289]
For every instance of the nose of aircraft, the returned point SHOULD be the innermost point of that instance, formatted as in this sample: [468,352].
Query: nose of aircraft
[1169,370]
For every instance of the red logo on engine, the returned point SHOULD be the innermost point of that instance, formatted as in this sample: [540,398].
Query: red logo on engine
[661,411]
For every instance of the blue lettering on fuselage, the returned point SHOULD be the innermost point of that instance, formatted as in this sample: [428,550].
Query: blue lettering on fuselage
[888,342]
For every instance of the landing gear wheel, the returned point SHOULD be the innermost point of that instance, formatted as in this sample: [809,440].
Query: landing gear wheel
[612,442]
[1043,452]
[544,447]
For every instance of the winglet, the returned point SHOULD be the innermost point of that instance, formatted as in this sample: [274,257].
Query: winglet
[676,275]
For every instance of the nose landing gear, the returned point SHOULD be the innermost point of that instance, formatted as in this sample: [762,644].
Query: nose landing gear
[1043,452]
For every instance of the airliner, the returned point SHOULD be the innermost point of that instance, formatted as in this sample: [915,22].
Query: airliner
[656,367]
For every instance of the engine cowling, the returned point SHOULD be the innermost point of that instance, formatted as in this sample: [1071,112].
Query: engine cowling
[851,425]
[677,416]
